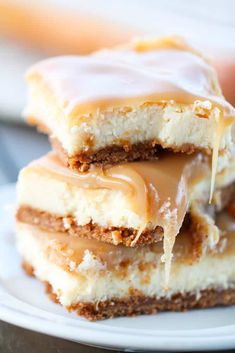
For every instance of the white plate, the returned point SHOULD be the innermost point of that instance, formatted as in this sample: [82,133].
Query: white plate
[23,303]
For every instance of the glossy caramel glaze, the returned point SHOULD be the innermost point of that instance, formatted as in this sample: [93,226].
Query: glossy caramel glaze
[114,78]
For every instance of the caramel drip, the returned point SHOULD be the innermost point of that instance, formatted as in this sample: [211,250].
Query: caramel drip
[158,191]
[220,126]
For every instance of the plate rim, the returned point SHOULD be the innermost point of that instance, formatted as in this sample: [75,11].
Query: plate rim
[116,340]
[110,337]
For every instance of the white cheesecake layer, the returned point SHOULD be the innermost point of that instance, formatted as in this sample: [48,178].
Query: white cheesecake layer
[172,125]
[91,282]
[104,207]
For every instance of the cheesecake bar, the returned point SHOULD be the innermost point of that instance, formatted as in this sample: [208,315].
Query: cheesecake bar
[132,204]
[129,103]
[100,280]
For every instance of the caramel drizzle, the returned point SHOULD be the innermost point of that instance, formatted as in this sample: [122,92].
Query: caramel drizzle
[221,125]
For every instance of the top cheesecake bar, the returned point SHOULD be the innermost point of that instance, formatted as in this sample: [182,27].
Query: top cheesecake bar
[129,103]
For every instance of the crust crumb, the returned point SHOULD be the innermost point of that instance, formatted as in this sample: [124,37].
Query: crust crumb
[120,152]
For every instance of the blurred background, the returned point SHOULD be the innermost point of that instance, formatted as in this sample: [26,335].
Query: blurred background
[33,30]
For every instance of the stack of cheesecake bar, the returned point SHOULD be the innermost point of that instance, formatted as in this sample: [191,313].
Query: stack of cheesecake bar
[132,212]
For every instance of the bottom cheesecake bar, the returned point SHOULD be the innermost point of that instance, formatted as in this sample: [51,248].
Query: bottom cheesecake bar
[139,304]
[99,280]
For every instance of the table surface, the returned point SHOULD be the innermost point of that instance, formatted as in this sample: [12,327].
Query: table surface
[19,145]
[14,339]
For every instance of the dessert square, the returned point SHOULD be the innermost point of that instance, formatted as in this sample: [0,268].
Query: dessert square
[132,203]
[100,280]
[129,103]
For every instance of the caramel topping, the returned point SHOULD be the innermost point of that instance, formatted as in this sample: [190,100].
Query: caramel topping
[109,78]
[69,251]
[158,191]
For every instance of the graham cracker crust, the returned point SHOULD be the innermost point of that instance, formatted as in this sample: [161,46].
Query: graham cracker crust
[118,153]
[113,235]
[139,304]
[120,235]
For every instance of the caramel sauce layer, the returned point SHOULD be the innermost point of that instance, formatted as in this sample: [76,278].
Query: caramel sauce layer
[69,252]
[63,250]
[113,78]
